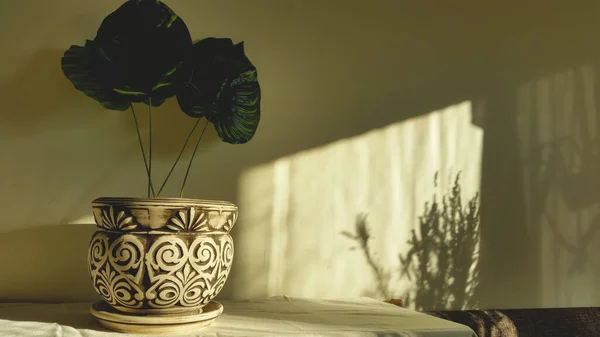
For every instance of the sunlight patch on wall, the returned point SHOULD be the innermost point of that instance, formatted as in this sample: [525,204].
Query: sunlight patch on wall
[293,210]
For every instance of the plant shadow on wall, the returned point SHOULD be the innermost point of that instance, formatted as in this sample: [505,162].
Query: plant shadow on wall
[442,261]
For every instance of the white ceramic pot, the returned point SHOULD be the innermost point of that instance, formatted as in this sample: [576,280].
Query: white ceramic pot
[160,256]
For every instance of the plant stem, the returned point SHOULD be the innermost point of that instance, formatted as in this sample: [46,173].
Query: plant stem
[178,157]
[192,159]
[137,129]
[150,149]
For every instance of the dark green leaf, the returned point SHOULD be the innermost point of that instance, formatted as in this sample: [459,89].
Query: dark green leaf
[197,97]
[78,66]
[223,88]
[238,109]
[143,47]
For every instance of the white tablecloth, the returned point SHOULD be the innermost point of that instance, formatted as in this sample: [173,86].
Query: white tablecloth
[278,316]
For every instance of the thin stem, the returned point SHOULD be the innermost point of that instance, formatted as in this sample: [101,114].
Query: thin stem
[137,129]
[150,149]
[192,159]
[178,157]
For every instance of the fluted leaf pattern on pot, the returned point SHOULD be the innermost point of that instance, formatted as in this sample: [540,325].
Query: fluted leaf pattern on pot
[188,221]
[119,222]
[208,218]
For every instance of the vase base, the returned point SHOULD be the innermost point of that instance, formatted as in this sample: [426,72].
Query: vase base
[113,320]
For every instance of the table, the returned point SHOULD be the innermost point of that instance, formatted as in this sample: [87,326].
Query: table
[276,316]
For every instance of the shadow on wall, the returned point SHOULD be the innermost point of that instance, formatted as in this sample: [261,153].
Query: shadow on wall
[540,205]
[441,263]
[38,264]
[39,98]
[295,208]
[559,134]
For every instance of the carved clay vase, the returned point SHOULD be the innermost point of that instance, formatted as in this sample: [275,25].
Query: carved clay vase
[160,256]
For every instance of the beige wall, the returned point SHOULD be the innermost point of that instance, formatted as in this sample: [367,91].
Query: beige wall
[329,70]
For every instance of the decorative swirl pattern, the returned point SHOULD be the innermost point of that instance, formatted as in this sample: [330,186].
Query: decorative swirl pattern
[227,250]
[165,271]
[226,262]
[205,255]
[98,252]
[166,256]
[116,269]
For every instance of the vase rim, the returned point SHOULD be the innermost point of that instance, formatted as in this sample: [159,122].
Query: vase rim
[162,201]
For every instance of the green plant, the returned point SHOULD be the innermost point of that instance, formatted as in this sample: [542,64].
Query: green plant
[143,53]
